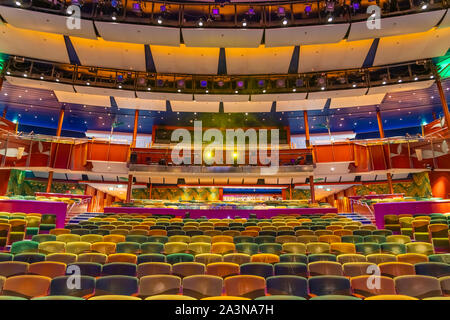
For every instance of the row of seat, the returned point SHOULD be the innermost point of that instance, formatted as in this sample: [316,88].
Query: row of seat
[248,286]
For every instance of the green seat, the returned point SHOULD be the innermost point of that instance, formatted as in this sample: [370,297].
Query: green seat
[315,257]
[444,257]
[366,248]
[247,248]
[334,297]
[152,247]
[58,298]
[352,239]
[31,231]
[136,238]
[128,247]
[375,238]
[240,239]
[393,248]
[48,222]
[24,246]
[273,248]
[161,239]
[179,257]
[280,297]
[4,256]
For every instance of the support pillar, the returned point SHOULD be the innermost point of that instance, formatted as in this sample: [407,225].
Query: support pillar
[443,101]
[381,129]
[58,134]
[136,119]
[129,188]
[305,119]
[311,189]
[150,191]
[5,110]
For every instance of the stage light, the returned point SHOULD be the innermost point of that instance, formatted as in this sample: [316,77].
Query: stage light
[285,21]
[330,6]
[120,78]
[240,84]
[251,12]
[431,77]
[299,82]
[18,3]
[220,83]
[281,12]
[308,9]
[88,83]
[261,83]
[264,91]
[160,20]
[423,5]
[244,22]
[330,18]
[136,6]
[216,12]
[293,90]
[384,80]
[400,80]
[328,189]
[416,78]
[354,85]
[114,3]
[114,16]
[163,8]
[281,83]
[181,83]
[319,187]
[200,23]
[321,81]
[160,83]
[142,81]
[203,83]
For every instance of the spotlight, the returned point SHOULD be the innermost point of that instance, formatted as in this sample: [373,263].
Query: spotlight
[181,83]
[163,8]
[216,12]
[114,3]
[119,78]
[160,83]
[423,5]
[285,21]
[321,81]
[114,16]
[251,12]
[18,3]
[200,22]
[281,83]
[160,20]
[203,83]
[308,9]
[261,83]
[299,83]
[244,23]
[330,18]
[416,78]
[330,6]
[281,12]
[384,80]
[240,84]
[136,6]
[354,85]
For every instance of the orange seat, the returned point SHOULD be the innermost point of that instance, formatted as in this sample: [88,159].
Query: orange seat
[343,232]
[265,257]
[116,238]
[342,248]
[330,238]
[250,233]
[222,238]
[157,232]
[49,269]
[28,286]
[223,247]
[104,247]
[122,257]
[222,269]
[245,286]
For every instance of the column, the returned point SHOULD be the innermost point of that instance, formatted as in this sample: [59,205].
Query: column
[58,134]
[305,119]
[129,188]
[5,110]
[136,119]
[380,128]
[443,101]
[311,189]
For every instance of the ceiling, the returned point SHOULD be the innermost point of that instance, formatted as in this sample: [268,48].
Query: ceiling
[37,110]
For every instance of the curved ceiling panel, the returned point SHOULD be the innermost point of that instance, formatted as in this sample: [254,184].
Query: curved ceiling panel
[45,22]
[279,97]
[222,38]
[446,21]
[140,104]
[337,93]
[247,106]
[430,44]
[411,23]
[33,44]
[282,37]
[164,96]
[193,106]
[309,104]
[401,87]
[37,84]
[357,101]
[135,33]
[85,99]
[222,97]
[186,60]
[105,91]
[259,60]
[107,54]
[335,56]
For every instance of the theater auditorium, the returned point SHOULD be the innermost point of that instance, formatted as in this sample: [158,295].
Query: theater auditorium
[224,150]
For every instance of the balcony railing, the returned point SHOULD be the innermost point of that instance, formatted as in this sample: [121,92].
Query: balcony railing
[264,14]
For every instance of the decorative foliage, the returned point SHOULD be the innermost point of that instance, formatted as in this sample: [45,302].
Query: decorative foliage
[205,194]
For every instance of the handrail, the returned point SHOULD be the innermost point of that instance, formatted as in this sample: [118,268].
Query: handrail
[229,15]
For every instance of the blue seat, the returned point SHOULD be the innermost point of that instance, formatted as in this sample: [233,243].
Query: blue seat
[433,269]
[60,286]
[293,257]
[329,285]
[91,269]
[116,285]
[119,268]
[291,268]
[287,285]
[257,269]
